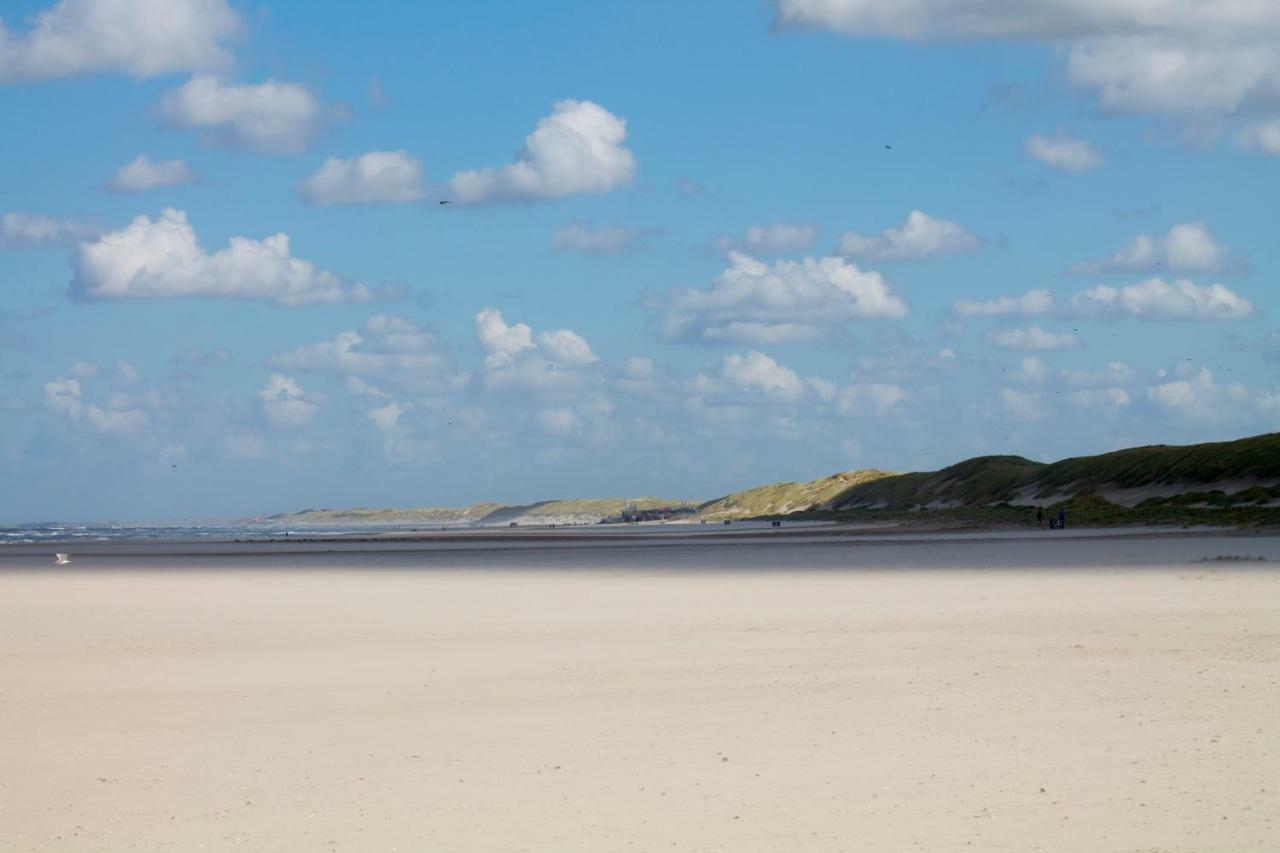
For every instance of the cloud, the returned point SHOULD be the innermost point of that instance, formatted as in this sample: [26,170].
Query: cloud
[1032,338]
[576,149]
[1063,152]
[769,239]
[141,174]
[874,398]
[1033,303]
[1156,299]
[558,421]
[141,38]
[387,418]
[516,358]
[1261,136]
[360,388]
[386,345]
[284,402]
[921,236]
[19,229]
[601,240]
[378,177]
[753,302]
[1115,373]
[637,375]
[64,396]
[566,347]
[757,372]
[83,370]
[126,373]
[1185,247]
[1021,405]
[161,258]
[1194,61]
[274,117]
[1032,369]
[1114,398]
[1194,392]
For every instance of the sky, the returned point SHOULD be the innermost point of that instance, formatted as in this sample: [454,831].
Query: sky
[257,257]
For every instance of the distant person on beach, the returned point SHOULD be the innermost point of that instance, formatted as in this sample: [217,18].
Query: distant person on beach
[1062,519]
[1039,517]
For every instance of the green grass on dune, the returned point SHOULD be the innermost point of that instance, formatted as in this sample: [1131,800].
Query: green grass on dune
[988,480]
[1083,511]
[1227,483]
[782,498]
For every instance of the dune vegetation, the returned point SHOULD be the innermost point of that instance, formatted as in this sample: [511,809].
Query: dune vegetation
[1229,483]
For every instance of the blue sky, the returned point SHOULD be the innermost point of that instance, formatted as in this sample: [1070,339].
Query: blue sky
[690,247]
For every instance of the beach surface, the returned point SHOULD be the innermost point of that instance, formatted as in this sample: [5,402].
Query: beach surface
[992,693]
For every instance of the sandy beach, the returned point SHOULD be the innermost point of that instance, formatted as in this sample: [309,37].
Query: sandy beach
[1090,694]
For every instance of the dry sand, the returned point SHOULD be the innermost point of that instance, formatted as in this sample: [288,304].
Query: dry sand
[492,710]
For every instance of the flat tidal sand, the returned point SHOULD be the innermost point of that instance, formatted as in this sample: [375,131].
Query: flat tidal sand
[488,710]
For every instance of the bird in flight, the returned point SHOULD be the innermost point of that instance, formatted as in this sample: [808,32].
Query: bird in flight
[445,201]
[62,559]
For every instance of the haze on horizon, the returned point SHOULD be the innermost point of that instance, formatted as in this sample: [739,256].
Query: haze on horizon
[689,248]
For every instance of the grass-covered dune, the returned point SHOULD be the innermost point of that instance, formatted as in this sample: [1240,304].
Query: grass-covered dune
[1228,482]
[364,515]
[1245,471]
[543,512]
[783,498]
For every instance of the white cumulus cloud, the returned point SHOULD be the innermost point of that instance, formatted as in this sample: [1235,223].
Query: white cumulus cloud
[1157,299]
[516,358]
[284,402]
[1194,61]
[1021,405]
[753,302]
[1188,246]
[378,177]
[872,398]
[65,396]
[142,173]
[1063,152]
[921,236]
[386,345]
[141,38]
[152,259]
[577,149]
[387,418]
[1193,391]
[272,116]
[757,372]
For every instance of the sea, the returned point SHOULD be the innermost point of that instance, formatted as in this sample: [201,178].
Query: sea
[66,532]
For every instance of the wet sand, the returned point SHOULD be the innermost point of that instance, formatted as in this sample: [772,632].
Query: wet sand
[1095,694]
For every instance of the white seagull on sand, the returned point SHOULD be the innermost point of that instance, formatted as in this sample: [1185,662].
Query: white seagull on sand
[62,559]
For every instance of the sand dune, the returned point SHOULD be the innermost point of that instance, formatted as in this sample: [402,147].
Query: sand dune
[1112,709]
